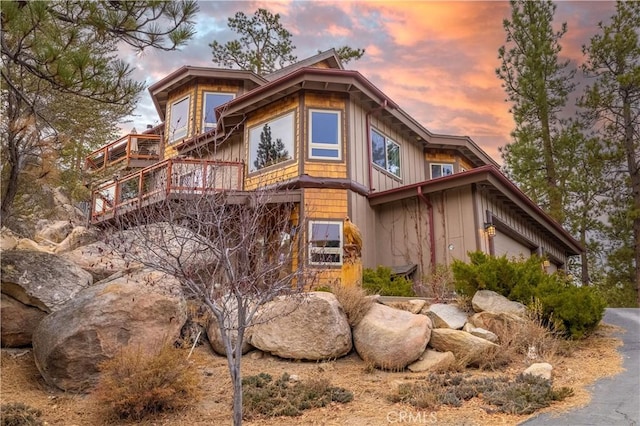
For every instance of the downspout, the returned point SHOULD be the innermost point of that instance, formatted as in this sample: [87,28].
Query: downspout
[368,124]
[432,237]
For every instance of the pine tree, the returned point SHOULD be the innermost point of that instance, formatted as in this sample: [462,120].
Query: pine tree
[613,102]
[269,151]
[537,85]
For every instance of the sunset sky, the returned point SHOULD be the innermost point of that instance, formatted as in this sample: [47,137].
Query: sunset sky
[437,60]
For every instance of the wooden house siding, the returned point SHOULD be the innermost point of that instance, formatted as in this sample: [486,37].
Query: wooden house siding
[325,204]
[357,153]
[520,228]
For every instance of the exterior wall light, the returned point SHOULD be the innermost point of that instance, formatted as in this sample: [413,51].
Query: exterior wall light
[490,229]
[546,263]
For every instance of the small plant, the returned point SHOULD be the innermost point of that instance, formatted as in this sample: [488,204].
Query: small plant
[19,414]
[380,281]
[264,397]
[437,285]
[524,395]
[134,385]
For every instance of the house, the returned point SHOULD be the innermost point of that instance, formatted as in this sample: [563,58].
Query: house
[420,199]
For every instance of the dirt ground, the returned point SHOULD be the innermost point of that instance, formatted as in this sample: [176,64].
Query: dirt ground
[589,360]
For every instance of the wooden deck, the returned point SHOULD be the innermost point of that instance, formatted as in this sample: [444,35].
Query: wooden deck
[130,151]
[173,178]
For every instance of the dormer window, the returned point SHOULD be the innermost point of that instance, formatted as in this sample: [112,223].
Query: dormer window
[212,100]
[179,123]
[439,170]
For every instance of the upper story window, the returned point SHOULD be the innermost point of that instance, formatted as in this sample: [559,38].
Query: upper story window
[271,142]
[324,135]
[210,101]
[179,124]
[439,170]
[325,245]
[385,153]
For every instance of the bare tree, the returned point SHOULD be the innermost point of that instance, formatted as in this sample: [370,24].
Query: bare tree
[233,251]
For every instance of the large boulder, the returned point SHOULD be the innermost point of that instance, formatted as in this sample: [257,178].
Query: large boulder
[8,239]
[78,237]
[312,326]
[391,338]
[433,361]
[466,347]
[156,245]
[17,322]
[55,231]
[446,316]
[144,311]
[39,279]
[230,307]
[487,300]
[497,323]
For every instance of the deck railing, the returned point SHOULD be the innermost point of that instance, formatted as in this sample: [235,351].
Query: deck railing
[173,177]
[128,151]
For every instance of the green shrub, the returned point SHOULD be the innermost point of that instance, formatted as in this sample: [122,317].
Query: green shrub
[19,414]
[380,281]
[524,395]
[261,396]
[134,385]
[573,311]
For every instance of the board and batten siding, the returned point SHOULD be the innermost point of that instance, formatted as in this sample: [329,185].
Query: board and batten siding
[529,235]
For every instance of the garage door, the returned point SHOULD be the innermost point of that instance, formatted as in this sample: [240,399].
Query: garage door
[504,244]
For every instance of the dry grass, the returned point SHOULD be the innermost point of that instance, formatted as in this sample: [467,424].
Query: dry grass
[591,359]
[134,385]
[355,301]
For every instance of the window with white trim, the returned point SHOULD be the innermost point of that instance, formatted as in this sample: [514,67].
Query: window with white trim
[212,100]
[271,142]
[385,153]
[179,123]
[324,134]
[439,170]
[325,242]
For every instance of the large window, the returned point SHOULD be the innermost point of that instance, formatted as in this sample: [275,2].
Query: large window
[439,170]
[324,135]
[179,124]
[325,245]
[385,153]
[212,100]
[271,142]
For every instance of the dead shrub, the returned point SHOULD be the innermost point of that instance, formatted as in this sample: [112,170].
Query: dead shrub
[19,414]
[527,340]
[134,384]
[354,300]
[264,397]
[438,285]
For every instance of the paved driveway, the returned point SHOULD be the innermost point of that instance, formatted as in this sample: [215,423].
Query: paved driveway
[615,400]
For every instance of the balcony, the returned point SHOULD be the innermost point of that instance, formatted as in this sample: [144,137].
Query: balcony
[130,151]
[173,178]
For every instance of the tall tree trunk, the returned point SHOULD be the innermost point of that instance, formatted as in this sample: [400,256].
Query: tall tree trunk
[583,258]
[11,186]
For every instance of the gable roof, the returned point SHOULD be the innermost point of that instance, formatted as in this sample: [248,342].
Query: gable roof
[329,57]
[160,90]
[356,86]
[495,182]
